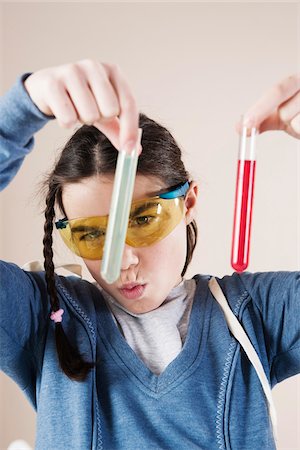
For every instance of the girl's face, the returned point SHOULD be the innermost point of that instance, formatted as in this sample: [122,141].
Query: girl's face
[158,266]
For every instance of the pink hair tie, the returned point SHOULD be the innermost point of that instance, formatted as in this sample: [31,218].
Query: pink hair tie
[56,316]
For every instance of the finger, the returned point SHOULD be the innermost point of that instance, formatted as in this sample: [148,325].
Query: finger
[82,97]
[272,99]
[295,125]
[129,116]
[290,109]
[62,106]
[272,122]
[111,129]
[102,90]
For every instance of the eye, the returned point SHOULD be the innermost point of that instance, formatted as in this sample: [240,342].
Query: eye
[92,235]
[143,220]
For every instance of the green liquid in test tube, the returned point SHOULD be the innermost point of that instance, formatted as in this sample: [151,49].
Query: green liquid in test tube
[119,214]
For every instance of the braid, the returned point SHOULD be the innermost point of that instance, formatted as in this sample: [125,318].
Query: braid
[70,360]
[48,252]
[192,234]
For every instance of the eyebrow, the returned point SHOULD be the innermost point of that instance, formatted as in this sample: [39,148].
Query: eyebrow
[142,208]
[136,211]
[81,228]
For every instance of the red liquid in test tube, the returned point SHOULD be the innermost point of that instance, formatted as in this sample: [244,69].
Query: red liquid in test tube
[243,201]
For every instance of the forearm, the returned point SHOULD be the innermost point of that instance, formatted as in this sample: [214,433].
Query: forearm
[20,119]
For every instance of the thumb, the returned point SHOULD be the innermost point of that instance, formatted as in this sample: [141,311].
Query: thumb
[272,122]
[264,113]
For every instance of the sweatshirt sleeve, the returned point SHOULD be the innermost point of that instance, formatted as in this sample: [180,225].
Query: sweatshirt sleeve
[20,119]
[24,314]
[276,295]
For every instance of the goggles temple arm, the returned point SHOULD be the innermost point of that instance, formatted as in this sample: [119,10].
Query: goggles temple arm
[179,192]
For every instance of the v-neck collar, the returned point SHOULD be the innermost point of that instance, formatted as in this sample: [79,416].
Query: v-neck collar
[186,361]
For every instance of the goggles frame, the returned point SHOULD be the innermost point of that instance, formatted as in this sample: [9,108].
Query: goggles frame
[172,193]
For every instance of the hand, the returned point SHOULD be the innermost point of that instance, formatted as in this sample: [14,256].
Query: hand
[90,92]
[277,109]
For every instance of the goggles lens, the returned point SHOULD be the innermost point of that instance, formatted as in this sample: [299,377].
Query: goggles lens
[150,221]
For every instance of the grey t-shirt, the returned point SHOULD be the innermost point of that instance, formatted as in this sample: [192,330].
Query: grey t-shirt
[157,336]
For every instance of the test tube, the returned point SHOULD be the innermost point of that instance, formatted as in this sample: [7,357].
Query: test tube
[243,199]
[119,213]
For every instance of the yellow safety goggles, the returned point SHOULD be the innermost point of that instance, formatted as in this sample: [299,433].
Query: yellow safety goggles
[150,220]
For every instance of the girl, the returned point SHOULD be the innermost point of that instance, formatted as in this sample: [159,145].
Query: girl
[147,362]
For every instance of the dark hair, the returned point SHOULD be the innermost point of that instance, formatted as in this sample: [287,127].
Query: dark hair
[89,153]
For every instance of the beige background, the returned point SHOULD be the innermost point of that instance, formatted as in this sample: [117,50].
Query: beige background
[195,67]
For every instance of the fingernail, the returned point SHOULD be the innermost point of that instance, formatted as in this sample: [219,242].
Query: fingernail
[139,141]
[129,147]
[248,121]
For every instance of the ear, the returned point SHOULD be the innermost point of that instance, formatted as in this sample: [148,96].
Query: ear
[190,202]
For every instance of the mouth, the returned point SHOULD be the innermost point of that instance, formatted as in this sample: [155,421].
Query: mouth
[132,290]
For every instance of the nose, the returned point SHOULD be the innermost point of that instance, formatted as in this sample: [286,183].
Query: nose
[129,257]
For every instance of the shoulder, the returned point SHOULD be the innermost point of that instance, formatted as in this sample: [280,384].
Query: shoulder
[29,281]
[232,286]
[258,287]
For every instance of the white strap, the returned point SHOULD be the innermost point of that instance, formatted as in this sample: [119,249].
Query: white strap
[239,333]
[36,266]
